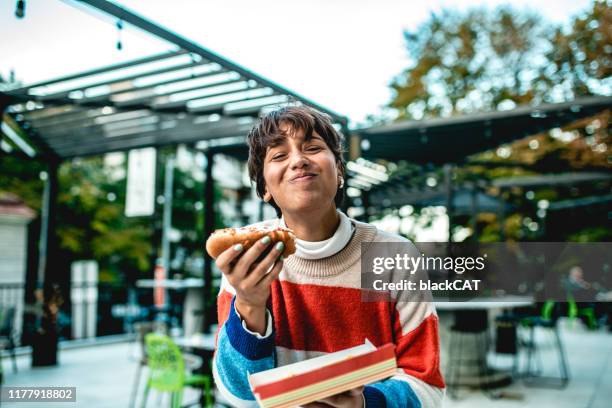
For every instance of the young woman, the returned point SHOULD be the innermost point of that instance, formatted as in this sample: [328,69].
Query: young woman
[279,311]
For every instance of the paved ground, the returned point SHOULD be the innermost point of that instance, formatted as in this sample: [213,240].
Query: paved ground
[590,361]
[104,375]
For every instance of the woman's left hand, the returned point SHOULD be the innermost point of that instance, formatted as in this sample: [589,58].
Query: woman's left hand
[348,399]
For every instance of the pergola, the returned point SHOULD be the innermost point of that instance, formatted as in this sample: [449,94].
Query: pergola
[450,141]
[183,96]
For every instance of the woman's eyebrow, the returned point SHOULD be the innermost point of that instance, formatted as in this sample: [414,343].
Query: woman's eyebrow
[316,137]
[277,142]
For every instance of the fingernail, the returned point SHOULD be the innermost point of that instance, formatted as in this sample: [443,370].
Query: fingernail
[265,240]
[238,247]
[280,246]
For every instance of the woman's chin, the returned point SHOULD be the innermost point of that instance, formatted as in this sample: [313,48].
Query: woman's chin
[309,204]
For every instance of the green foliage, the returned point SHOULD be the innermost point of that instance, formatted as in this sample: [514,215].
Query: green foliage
[466,62]
[591,234]
[483,60]
[91,224]
[581,59]
[22,177]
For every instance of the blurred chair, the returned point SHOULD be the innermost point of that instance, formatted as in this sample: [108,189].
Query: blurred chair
[167,372]
[470,330]
[7,333]
[547,319]
[582,311]
[142,329]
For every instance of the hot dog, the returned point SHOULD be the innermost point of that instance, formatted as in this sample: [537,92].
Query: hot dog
[222,239]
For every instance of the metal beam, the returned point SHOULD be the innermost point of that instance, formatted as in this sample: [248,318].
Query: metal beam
[92,129]
[155,140]
[581,107]
[165,34]
[253,106]
[148,99]
[103,70]
[183,126]
[104,99]
[183,102]
[63,96]
[94,118]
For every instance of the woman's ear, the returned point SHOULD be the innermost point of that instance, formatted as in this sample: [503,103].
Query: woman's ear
[340,180]
[267,196]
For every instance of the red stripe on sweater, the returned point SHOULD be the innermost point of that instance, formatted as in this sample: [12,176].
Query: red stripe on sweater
[224,301]
[418,352]
[327,319]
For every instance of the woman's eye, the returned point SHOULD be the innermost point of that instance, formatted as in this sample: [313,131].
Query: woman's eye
[278,156]
[313,149]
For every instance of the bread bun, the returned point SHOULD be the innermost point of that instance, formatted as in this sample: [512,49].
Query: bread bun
[222,239]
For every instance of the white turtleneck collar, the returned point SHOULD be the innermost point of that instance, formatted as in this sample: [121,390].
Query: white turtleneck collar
[328,247]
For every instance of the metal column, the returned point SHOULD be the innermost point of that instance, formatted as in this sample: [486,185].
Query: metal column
[209,227]
[47,245]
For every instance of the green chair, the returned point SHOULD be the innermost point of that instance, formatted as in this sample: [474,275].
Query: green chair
[167,372]
[586,313]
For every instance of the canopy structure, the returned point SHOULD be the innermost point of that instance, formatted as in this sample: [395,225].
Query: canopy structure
[451,140]
[170,98]
[182,96]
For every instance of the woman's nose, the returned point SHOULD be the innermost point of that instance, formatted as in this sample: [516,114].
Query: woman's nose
[299,160]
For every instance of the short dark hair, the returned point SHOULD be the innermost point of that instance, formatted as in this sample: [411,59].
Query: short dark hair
[266,133]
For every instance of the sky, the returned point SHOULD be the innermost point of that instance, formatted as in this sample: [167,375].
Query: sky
[341,54]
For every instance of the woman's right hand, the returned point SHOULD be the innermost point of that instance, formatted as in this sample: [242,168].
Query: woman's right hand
[252,280]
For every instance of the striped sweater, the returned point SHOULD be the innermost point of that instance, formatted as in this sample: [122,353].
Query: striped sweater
[316,308]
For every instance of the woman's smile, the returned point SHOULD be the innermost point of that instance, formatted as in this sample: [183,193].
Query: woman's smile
[303,178]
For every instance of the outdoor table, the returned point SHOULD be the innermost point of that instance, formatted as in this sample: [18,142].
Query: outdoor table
[493,377]
[505,302]
[193,300]
[196,342]
[176,284]
[604,297]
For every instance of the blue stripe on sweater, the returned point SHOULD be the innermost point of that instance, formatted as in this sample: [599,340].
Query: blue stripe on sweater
[233,367]
[374,398]
[395,393]
[245,343]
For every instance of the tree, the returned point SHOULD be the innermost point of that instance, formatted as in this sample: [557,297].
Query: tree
[471,62]
[91,224]
[483,61]
[581,60]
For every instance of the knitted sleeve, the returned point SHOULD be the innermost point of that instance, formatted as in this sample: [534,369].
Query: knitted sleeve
[238,353]
[418,382]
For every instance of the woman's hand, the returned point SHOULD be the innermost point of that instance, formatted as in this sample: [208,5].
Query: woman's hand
[251,279]
[348,399]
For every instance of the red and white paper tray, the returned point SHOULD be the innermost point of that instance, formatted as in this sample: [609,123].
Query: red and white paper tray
[311,380]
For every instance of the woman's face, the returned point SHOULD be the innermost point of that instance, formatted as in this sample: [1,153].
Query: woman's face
[300,175]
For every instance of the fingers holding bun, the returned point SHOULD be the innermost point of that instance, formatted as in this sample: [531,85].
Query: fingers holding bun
[222,239]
